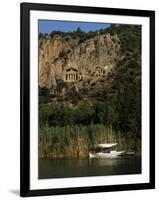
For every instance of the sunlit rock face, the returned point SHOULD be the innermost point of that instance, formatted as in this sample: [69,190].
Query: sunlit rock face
[72,59]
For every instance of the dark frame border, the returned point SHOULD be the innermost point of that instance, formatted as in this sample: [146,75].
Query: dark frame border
[25,9]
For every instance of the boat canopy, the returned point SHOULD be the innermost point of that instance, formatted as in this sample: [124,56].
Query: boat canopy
[106,145]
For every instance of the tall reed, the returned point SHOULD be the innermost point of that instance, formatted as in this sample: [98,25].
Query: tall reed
[77,140]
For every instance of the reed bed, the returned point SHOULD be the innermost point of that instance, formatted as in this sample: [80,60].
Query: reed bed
[77,140]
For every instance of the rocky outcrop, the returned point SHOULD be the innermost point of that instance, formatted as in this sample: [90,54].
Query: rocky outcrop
[59,53]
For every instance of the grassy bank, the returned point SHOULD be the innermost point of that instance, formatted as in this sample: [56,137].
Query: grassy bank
[77,140]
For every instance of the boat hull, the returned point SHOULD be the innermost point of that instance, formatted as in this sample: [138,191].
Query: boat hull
[112,154]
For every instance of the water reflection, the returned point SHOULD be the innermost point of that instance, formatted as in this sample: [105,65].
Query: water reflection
[103,162]
[63,168]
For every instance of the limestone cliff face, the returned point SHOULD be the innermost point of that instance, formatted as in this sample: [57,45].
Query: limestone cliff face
[57,54]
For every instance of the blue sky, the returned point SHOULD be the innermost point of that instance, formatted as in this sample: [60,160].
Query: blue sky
[47,26]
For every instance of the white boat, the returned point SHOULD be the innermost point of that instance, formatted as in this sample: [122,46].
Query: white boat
[112,154]
[105,151]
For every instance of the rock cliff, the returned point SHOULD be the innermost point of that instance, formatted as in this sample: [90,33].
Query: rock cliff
[89,58]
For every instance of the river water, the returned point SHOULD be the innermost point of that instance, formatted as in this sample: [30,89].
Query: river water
[66,167]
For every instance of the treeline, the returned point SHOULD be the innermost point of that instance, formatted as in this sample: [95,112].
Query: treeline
[121,110]
[129,35]
[99,113]
[67,35]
